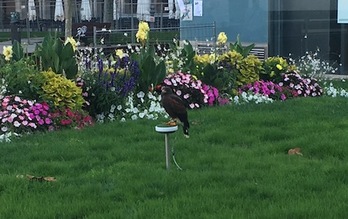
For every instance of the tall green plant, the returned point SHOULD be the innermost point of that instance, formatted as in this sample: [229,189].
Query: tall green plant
[17,50]
[151,72]
[56,55]
[243,50]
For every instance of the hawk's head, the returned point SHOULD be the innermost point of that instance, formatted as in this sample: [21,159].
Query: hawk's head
[166,90]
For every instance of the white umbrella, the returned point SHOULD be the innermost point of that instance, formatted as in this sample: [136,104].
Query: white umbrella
[86,13]
[117,10]
[177,9]
[59,11]
[31,10]
[143,10]
[171,9]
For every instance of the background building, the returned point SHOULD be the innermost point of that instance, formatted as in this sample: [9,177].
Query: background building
[282,27]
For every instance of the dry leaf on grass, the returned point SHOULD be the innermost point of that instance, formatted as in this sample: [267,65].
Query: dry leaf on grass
[39,178]
[296,151]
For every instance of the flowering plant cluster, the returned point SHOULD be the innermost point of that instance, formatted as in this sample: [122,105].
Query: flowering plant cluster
[68,118]
[20,116]
[108,84]
[188,88]
[312,66]
[333,91]
[265,88]
[301,86]
[250,97]
[136,106]
[214,97]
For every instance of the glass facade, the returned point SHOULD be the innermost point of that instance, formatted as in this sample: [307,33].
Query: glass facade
[284,27]
[300,26]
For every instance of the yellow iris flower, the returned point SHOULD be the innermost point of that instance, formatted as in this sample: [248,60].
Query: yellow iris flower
[7,52]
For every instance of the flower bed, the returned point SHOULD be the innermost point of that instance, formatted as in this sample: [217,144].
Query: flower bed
[71,88]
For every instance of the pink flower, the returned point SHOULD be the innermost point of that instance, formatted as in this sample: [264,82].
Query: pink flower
[18,99]
[48,121]
[282,97]
[41,121]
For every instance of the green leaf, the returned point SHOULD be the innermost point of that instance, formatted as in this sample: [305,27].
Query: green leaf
[17,51]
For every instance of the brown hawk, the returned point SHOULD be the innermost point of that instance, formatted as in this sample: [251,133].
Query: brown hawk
[175,108]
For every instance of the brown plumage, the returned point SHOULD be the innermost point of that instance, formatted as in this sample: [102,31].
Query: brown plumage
[175,107]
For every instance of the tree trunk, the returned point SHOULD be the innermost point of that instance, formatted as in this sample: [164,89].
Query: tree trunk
[68,17]
[108,12]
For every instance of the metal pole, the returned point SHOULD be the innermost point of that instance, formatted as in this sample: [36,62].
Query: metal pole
[132,24]
[27,22]
[167,148]
[94,36]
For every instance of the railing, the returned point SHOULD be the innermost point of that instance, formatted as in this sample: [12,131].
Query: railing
[201,33]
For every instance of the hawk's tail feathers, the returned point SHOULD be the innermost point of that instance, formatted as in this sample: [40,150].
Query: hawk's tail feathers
[186,129]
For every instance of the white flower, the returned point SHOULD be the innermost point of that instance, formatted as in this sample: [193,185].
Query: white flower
[134,117]
[16,124]
[141,94]
[112,108]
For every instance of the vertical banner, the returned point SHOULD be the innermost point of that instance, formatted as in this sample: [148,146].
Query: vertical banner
[185,9]
[342,11]
[198,8]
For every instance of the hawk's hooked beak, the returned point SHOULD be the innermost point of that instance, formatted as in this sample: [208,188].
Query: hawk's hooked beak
[163,90]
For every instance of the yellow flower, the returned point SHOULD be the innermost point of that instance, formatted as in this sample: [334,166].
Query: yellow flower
[110,70]
[279,67]
[141,36]
[72,41]
[142,33]
[119,53]
[144,26]
[222,38]
[7,52]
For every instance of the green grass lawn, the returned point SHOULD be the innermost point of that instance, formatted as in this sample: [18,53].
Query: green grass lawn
[235,165]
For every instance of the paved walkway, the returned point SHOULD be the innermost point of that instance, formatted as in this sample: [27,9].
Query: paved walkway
[28,45]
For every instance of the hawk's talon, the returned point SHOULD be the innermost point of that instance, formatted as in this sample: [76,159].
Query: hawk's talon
[171,123]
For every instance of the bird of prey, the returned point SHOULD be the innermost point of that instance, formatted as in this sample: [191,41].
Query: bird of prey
[175,108]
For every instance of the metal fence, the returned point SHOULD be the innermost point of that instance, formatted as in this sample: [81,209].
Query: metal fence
[201,34]
[125,15]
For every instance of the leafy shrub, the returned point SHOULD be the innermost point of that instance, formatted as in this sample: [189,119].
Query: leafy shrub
[61,92]
[273,67]
[245,69]
[21,78]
